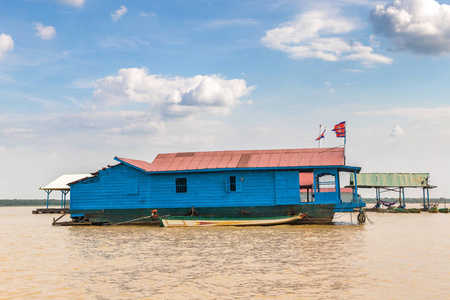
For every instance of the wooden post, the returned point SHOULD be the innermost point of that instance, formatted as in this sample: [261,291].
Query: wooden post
[404,202]
[48,195]
[423,198]
[378,195]
[356,189]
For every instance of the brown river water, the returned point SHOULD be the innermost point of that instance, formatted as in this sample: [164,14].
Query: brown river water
[399,256]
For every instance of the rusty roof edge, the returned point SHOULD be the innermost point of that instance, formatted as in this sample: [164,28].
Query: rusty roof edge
[306,168]
[121,160]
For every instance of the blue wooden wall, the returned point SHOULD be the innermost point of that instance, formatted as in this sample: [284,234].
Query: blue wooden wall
[115,187]
[122,186]
[209,189]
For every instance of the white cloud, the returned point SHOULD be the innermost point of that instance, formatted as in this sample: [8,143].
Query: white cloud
[231,22]
[147,14]
[45,32]
[15,131]
[6,44]
[145,127]
[76,3]
[115,42]
[397,131]
[317,34]
[419,113]
[173,97]
[419,26]
[2,149]
[115,16]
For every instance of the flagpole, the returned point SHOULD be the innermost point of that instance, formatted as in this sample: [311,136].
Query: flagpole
[320,132]
[345,140]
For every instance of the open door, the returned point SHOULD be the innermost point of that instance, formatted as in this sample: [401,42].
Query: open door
[326,186]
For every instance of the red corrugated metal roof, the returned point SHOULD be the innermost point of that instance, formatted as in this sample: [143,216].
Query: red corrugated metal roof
[140,164]
[306,179]
[242,159]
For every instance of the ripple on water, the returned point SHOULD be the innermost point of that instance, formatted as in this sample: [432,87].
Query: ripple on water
[396,258]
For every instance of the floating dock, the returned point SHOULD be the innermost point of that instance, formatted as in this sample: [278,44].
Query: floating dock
[51,211]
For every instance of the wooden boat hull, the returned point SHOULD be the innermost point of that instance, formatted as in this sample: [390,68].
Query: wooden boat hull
[207,222]
[316,213]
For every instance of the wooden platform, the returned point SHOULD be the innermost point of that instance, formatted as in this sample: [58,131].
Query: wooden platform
[51,211]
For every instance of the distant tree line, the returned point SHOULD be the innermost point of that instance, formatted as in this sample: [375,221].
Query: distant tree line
[409,200]
[55,202]
[30,202]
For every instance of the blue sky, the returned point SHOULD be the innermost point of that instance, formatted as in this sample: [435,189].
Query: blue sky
[82,81]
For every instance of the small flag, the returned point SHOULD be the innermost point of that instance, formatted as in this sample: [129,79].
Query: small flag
[339,129]
[321,136]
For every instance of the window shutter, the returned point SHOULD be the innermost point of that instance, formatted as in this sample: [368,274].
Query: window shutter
[227,184]
[238,184]
[132,187]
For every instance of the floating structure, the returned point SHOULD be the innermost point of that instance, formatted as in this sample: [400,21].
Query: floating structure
[59,184]
[219,184]
[394,182]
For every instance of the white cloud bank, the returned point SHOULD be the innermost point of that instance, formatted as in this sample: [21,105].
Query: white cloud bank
[173,97]
[317,34]
[397,131]
[45,32]
[115,16]
[419,26]
[6,44]
[76,3]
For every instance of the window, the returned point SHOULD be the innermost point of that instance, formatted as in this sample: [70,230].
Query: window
[326,183]
[181,185]
[233,183]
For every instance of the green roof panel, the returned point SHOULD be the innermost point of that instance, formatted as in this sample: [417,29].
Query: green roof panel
[375,180]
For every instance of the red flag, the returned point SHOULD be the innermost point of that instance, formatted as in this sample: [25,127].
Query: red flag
[339,129]
[321,136]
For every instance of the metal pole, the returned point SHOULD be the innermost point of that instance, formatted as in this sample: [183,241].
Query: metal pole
[428,197]
[65,194]
[378,197]
[404,202]
[48,194]
[356,189]
[423,197]
[320,132]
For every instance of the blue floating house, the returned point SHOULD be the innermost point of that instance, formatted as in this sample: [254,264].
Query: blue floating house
[254,183]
